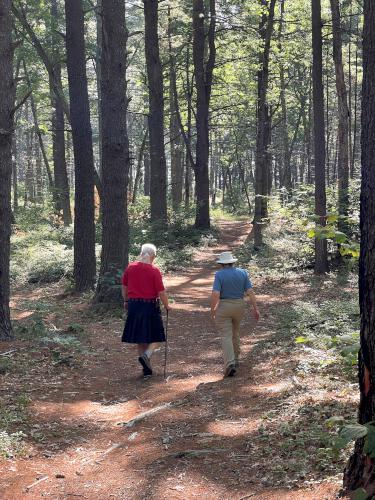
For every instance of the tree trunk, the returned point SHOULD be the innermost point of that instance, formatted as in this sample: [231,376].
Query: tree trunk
[15,173]
[146,164]
[41,142]
[286,179]
[354,152]
[158,172]
[84,227]
[61,182]
[189,164]
[321,263]
[203,81]
[29,176]
[177,172]
[38,172]
[7,95]
[138,174]
[115,153]
[343,127]
[261,160]
[19,13]
[360,471]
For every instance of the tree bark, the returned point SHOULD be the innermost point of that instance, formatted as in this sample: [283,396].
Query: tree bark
[360,471]
[15,173]
[174,128]
[203,81]
[115,153]
[343,126]
[7,96]
[321,262]
[138,173]
[261,159]
[286,179]
[61,182]
[84,227]
[158,166]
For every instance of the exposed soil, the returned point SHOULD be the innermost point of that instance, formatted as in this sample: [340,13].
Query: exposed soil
[203,440]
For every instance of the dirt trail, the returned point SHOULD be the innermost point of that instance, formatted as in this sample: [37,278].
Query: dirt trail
[198,442]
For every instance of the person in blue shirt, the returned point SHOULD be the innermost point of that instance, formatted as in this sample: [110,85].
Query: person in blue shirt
[230,286]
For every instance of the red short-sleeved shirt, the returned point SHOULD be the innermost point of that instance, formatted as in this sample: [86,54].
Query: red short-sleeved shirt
[144,281]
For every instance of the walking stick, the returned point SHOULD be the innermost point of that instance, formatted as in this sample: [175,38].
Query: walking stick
[166,345]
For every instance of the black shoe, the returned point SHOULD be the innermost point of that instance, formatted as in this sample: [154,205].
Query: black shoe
[230,371]
[145,362]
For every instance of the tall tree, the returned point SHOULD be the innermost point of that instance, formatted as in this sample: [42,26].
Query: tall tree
[343,112]
[203,80]
[61,182]
[84,226]
[360,470]
[115,152]
[321,263]
[263,125]
[158,166]
[177,172]
[286,177]
[7,95]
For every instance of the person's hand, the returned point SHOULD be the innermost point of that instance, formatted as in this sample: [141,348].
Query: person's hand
[125,305]
[256,314]
[213,315]
[167,307]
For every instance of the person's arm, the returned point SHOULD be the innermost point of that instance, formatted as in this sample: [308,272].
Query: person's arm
[125,296]
[250,293]
[164,298]
[215,298]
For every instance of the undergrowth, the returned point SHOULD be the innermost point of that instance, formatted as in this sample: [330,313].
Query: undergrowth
[42,249]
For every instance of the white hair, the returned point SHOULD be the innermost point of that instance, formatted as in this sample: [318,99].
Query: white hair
[148,251]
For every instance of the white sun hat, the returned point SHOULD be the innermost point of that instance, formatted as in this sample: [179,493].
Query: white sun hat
[226,258]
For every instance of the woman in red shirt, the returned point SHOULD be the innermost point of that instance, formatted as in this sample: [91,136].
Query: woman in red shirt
[142,287]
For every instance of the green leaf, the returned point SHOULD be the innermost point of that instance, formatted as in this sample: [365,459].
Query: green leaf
[301,340]
[353,431]
[369,446]
[332,218]
[340,237]
[335,420]
[311,233]
[360,494]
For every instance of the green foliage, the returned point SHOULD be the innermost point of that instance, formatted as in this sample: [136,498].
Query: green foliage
[175,244]
[330,325]
[31,329]
[11,445]
[360,494]
[6,365]
[300,442]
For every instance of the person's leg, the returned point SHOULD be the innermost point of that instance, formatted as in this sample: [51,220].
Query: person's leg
[224,323]
[238,313]
[150,349]
[141,349]
[144,359]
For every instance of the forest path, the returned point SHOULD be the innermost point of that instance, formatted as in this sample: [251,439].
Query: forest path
[202,440]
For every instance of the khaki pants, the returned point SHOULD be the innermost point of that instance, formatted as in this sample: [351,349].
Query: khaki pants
[228,318]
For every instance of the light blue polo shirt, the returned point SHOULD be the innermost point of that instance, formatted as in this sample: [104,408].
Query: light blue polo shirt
[232,282]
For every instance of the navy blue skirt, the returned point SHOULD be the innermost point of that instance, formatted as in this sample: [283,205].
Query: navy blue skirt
[144,324]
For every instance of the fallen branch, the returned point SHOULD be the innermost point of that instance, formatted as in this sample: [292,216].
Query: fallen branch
[36,482]
[144,415]
[196,453]
[248,496]
[8,352]
[111,448]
